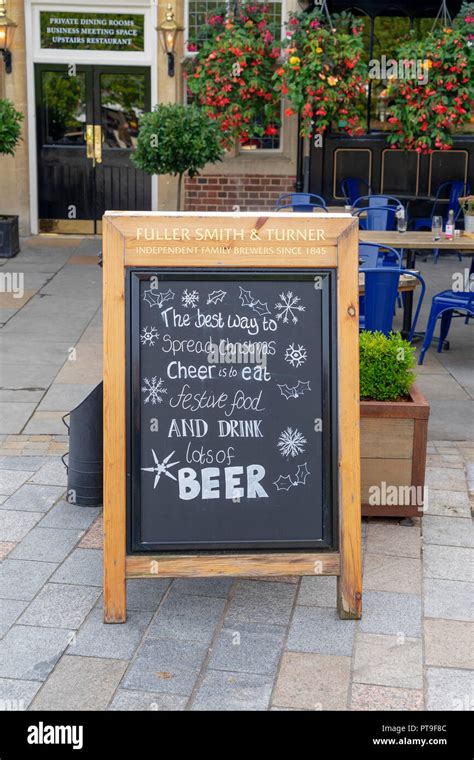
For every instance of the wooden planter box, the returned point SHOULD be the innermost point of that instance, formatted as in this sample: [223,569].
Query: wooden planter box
[393,453]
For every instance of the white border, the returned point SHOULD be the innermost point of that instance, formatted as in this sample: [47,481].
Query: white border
[34,54]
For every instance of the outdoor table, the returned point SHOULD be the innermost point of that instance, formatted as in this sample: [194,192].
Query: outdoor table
[411,242]
[407,283]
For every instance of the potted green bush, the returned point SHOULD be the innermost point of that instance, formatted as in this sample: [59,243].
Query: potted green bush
[394,428]
[10,135]
[177,139]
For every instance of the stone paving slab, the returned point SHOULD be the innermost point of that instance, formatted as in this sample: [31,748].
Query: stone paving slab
[318,592]
[60,606]
[388,661]
[451,600]
[10,611]
[138,701]
[189,617]
[261,602]
[94,682]
[17,694]
[320,630]
[399,575]
[233,691]
[313,682]
[10,480]
[168,666]
[445,531]
[110,641]
[448,562]
[15,525]
[22,579]
[248,648]
[30,653]
[46,544]
[392,614]
[449,644]
[83,566]
[449,689]
[33,498]
[366,697]
[68,516]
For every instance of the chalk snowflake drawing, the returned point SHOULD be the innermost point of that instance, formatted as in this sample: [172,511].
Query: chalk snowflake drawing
[156,297]
[216,296]
[190,298]
[161,468]
[154,390]
[288,307]
[291,443]
[148,336]
[285,482]
[296,356]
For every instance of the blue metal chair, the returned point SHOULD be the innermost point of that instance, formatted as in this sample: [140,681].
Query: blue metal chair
[300,208]
[443,305]
[309,200]
[453,190]
[375,255]
[377,218]
[381,290]
[352,188]
[377,200]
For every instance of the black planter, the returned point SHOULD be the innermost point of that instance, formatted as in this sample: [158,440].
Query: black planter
[9,237]
[85,460]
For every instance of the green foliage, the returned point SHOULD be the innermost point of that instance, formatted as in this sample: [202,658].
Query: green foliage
[175,139]
[386,364]
[10,127]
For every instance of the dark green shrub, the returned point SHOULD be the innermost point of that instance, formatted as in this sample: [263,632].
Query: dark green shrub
[175,139]
[385,366]
[10,127]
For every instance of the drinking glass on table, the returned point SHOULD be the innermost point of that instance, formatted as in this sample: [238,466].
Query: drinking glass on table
[437,227]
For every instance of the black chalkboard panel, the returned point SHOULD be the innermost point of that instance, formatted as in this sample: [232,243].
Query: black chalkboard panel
[232,435]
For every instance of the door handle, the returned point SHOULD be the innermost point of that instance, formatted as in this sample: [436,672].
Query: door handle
[90,141]
[98,143]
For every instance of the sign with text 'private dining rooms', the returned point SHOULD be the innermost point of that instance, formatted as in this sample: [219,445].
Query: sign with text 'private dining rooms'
[231,398]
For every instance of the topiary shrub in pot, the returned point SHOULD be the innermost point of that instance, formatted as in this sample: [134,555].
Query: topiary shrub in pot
[394,428]
[10,135]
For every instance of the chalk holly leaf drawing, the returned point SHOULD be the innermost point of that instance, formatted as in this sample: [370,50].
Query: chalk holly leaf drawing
[283,483]
[294,391]
[301,474]
[247,299]
[156,297]
[215,297]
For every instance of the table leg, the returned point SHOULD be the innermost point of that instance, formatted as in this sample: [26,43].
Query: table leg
[408,298]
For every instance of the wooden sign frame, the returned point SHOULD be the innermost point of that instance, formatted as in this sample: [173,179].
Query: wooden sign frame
[129,241]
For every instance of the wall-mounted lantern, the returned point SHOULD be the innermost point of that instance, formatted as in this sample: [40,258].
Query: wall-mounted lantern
[168,30]
[7,30]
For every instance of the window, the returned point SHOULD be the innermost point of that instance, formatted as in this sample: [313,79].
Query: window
[197,12]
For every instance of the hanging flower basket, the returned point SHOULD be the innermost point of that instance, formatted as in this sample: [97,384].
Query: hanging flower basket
[324,76]
[232,74]
[427,111]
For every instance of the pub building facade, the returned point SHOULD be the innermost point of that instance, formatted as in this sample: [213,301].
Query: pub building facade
[83,73]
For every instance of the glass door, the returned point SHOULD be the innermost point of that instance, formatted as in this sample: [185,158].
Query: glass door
[87,128]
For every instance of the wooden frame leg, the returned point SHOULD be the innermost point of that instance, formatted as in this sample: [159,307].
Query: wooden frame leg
[349,595]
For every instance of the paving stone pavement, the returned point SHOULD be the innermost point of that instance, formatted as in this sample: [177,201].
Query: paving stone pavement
[212,644]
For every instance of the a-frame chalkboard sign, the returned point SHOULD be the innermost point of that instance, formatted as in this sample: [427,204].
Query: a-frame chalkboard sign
[231,399]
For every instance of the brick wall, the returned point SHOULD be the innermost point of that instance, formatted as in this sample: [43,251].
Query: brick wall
[252,192]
